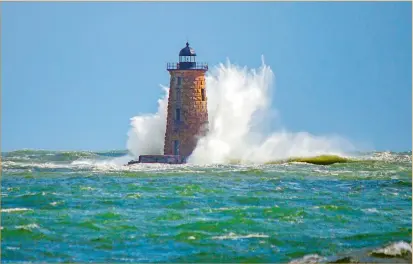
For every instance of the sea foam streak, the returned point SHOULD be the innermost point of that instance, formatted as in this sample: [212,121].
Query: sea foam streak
[10,210]
[239,106]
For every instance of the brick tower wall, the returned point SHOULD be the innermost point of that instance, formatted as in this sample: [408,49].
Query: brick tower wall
[190,98]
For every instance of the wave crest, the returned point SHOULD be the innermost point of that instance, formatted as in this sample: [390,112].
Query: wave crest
[397,249]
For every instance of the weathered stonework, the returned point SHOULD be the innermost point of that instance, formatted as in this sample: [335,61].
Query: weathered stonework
[171,159]
[190,122]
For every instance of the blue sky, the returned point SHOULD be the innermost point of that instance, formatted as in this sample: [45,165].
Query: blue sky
[73,74]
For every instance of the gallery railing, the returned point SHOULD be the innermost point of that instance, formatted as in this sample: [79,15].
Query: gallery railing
[187,66]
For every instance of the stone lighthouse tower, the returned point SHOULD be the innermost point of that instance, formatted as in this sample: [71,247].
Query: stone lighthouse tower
[187,118]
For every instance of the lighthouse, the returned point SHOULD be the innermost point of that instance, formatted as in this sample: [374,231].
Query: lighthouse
[187,117]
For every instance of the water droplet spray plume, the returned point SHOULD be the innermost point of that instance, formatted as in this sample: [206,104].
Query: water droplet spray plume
[239,106]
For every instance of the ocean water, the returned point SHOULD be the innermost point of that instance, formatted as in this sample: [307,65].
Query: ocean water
[89,207]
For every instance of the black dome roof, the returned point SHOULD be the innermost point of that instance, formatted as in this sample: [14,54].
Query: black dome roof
[187,51]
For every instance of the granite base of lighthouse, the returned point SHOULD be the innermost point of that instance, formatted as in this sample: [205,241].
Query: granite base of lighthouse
[167,159]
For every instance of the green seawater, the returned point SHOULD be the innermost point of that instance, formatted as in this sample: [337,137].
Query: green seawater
[89,207]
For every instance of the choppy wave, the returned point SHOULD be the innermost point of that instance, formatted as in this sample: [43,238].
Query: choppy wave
[312,258]
[318,160]
[28,162]
[397,249]
[388,156]
[400,251]
[59,157]
[268,212]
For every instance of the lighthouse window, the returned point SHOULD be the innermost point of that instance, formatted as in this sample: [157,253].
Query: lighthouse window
[203,94]
[178,94]
[178,114]
[179,80]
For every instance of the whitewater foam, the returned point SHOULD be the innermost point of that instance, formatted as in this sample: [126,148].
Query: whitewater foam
[396,249]
[388,156]
[307,259]
[234,236]
[28,227]
[400,250]
[148,131]
[13,248]
[239,109]
[11,210]
[371,210]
